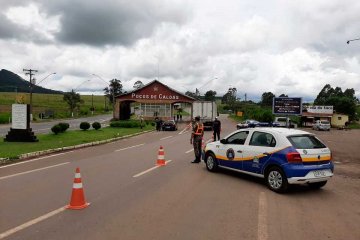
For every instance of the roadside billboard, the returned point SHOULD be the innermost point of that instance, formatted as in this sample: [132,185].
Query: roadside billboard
[287,105]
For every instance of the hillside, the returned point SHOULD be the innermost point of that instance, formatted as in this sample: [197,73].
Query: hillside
[11,82]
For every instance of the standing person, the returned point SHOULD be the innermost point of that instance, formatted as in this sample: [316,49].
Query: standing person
[216,128]
[157,123]
[196,138]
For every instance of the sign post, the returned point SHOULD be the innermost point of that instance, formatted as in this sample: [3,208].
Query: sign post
[287,106]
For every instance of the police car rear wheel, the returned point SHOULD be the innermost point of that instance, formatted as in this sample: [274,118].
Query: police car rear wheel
[276,180]
[211,163]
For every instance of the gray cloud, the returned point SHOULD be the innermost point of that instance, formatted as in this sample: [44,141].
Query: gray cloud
[9,30]
[100,23]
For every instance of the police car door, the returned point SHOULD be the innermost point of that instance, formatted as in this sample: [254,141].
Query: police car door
[231,151]
[258,151]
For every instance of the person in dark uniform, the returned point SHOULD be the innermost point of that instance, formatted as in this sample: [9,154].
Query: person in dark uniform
[216,128]
[196,138]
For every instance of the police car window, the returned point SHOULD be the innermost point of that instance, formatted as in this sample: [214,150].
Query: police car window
[305,142]
[238,138]
[262,139]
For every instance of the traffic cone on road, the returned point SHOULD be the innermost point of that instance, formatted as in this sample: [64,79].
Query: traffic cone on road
[77,197]
[161,157]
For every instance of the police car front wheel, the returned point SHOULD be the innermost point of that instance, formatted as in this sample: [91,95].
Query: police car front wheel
[211,163]
[276,180]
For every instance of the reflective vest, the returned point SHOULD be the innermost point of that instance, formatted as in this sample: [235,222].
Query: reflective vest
[199,129]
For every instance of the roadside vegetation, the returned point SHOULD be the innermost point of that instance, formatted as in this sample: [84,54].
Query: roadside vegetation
[54,104]
[12,150]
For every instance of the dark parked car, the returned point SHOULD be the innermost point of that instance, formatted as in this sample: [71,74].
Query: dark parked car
[169,125]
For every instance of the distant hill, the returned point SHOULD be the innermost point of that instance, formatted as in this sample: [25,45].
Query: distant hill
[11,82]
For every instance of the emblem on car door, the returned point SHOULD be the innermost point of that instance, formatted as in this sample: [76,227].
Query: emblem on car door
[304,151]
[230,154]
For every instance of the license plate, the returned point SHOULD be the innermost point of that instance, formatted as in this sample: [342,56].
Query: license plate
[319,173]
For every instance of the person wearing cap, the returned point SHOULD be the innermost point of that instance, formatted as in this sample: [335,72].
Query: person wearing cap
[216,128]
[196,138]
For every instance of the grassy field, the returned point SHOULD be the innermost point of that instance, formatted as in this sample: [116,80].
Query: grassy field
[68,138]
[53,102]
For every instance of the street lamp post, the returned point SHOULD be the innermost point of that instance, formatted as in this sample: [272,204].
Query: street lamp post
[74,90]
[113,91]
[31,73]
[348,41]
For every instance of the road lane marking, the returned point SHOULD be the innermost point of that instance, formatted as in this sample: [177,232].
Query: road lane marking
[150,169]
[122,149]
[36,159]
[35,170]
[262,218]
[30,223]
[189,151]
[166,137]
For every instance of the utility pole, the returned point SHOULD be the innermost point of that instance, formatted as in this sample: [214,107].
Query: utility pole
[31,73]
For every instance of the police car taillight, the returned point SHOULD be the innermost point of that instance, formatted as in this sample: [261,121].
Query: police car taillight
[293,157]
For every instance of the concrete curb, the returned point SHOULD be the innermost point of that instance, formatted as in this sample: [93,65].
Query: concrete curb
[55,150]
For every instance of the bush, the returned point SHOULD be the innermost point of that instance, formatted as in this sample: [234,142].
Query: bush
[64,126]
[84,126]
[96,125]
[125,124]
[4,117]
[56,129]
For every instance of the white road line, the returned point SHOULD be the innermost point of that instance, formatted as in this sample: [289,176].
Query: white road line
[150,169]
[122,149]
[262,218]
[10,165]
[166,137]
[30,223]
[36,170]
[189,151]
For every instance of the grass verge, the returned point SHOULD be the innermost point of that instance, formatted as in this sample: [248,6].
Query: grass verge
[12,150]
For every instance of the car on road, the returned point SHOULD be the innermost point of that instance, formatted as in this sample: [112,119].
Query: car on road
[322,125]
[247,123]
[281,156]
[169,125]
[254,123]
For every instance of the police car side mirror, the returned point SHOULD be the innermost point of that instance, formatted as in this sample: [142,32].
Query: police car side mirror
[223,141]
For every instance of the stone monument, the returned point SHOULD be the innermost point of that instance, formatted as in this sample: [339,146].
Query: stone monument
[20,130]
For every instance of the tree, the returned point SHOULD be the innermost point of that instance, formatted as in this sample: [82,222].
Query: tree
[229,97]
[138,84]
[267,99]
[73,100]
[210,95]
[191,94]
[283,95]
[343,102]
[114,89]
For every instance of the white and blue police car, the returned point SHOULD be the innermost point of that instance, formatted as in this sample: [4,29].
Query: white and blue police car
[282,156]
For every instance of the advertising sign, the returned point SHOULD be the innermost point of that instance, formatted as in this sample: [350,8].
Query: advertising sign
[321,109]
[287,105]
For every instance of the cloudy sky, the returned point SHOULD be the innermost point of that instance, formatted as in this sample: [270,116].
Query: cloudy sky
[293,47]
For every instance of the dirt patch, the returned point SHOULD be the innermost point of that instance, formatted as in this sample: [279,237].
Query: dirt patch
[345,148]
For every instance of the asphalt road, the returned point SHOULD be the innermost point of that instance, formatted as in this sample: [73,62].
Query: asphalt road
[130,199]
[45,127]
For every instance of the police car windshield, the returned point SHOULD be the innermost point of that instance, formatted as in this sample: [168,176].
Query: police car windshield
[305,142]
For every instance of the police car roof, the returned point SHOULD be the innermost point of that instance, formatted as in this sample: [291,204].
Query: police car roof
[282,131]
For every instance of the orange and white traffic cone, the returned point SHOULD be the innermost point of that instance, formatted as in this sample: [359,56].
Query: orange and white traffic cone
[77,197]
[161,157]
